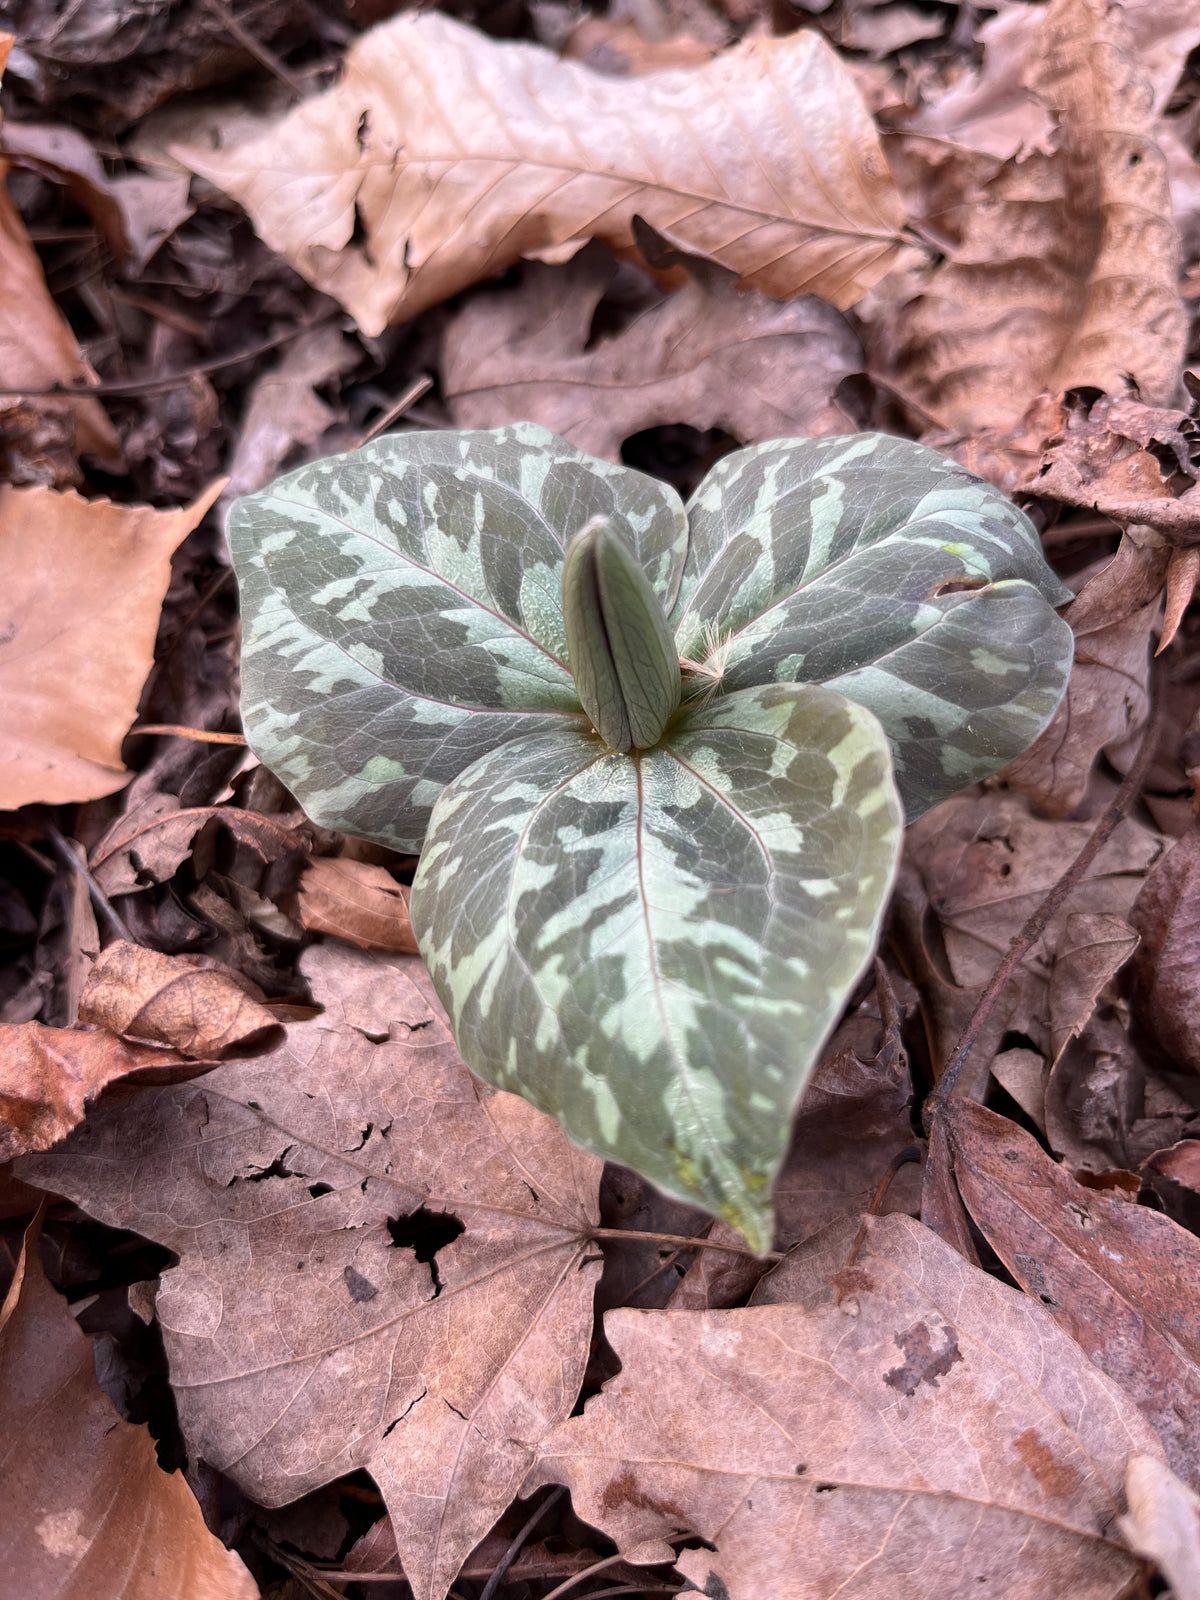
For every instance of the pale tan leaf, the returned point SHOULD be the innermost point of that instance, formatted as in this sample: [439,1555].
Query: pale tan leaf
[382,1262]
[1163,1523]
[202,1011]
[48,1075]
[284,413]
[1093,948]
[356,901]
[458,154]
[84,584]
[706,355]
[1183,570]
[1062,273]
[924,1430]
[88,1512]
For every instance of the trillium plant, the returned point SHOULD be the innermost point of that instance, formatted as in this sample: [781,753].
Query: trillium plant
[656,760]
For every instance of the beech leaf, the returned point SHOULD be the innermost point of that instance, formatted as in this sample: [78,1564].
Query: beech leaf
[921,1419]
[381,1261]
[459,154]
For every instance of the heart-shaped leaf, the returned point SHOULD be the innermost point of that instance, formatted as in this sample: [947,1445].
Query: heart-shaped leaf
[653,947]
[886,570]
[403,615]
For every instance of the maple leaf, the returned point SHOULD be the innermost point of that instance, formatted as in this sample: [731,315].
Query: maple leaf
[382,1263]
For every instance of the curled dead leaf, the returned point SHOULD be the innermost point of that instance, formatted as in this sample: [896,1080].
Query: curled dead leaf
[459,154]
[1163,1524]
[1166,969]
[202,1011]
[84,584]
[356,901]
[48,1076]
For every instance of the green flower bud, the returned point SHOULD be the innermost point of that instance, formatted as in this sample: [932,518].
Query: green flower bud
[622,650]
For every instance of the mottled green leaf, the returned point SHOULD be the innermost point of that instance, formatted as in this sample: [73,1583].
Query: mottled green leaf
[653,947]
[403,615]
[621,649]
[888,571]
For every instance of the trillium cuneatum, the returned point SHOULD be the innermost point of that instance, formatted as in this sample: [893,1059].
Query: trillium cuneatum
[654,760]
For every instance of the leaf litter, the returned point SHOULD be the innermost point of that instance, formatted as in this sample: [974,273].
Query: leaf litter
[980,232]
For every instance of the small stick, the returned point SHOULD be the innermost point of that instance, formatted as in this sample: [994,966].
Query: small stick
[1037,924]
[175,730]
[100,900]
[253,46]
[685,1242]
[514,1549]
[415,391]
[902,1158]
[588,1572]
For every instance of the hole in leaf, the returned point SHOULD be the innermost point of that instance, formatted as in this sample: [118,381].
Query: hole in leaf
[825,1488]
[425,1232]
[278,1169]
[318,1189]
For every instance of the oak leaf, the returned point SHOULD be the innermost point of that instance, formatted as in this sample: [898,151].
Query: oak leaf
[88,1512]
[458,154]
[382,1263]
[84,584]
[706,356]
[924,1426]
[1062,273]
[1121,1279]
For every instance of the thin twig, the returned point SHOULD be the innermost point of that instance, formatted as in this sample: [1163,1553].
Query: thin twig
[170,380]
[175,730]
[418,388]
[686,1241]
[514,1549]
[902,1158]
[597,1566]
[254,47]
[1112,815]
[62,849]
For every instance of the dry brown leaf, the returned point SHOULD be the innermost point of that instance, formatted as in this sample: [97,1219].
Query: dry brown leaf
[356,901]
[1062,274]
[1163,1524]
[1121,1279]
[985,865]
[458,154]
[382,1262]
[84,584]
[1166,969]
[154,838]
[88,1512]
[706,355]
[202,1011]
[284,413]
[1107,699]
[925,1431]
[1093,948]
[48,1075]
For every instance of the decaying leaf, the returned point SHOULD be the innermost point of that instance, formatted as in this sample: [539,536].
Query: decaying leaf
[47,1076]
[1114,1275]
[150,841]
[706,355]
[1093,948]
[1166,969]
[381,1261]
[1163,1524]
[1107,699]
[458,154]
[356,901]
[923,1420]
[88,1512]
[84,582]
[203,1011]
[1065,275]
